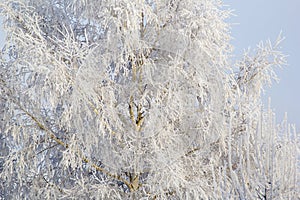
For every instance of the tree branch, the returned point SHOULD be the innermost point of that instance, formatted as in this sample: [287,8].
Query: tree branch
[60,142]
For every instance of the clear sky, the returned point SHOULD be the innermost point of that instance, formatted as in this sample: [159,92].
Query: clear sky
[258,20]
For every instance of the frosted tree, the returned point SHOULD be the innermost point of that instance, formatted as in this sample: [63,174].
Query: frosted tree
[136,100]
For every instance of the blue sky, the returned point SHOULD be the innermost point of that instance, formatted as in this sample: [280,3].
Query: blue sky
[258,20]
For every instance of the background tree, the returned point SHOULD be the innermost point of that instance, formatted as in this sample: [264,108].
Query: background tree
[137,99]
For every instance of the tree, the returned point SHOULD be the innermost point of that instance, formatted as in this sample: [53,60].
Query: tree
[138,100]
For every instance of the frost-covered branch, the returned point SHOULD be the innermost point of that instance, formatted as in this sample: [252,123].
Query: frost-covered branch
[135,100]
